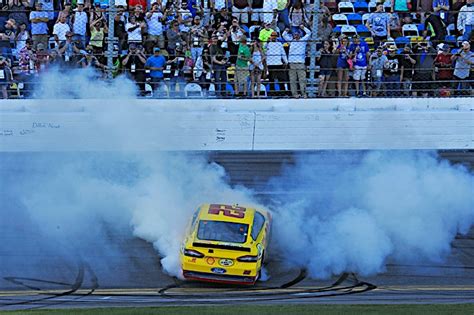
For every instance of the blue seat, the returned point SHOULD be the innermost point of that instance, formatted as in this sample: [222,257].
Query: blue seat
[421,27]
[363,31]
[451,40]
[246,30]
[361,6]
[229,89]
[402,41]
[354,19]
[337,30]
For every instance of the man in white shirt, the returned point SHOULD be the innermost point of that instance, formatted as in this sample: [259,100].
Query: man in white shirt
[466,19]
[79,23]
[297,58]
[154,20]
[270,11]
[276,62]
[218,4]
[60,29]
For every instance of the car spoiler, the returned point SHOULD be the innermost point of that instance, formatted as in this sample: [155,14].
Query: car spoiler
[220,246]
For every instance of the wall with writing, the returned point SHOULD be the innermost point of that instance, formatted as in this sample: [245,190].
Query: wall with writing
[143,125]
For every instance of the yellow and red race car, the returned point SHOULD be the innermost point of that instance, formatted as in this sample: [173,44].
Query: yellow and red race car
[226,244]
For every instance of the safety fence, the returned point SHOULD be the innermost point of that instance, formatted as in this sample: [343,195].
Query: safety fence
[175,48]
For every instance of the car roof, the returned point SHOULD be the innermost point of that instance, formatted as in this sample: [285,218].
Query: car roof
[228,213]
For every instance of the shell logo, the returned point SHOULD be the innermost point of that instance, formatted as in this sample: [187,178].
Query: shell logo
[210,260]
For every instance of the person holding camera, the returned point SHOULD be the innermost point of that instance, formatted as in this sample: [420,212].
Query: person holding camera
[219,65]
[444,69]
[464,59]
[408,62]
[5,76]
[134,65]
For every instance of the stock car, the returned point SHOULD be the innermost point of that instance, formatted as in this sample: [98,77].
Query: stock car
[225,244]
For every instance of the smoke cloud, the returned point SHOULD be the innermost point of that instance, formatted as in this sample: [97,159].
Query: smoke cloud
[354,211]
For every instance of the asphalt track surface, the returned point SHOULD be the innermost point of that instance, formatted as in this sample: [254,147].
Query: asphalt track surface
[84,286]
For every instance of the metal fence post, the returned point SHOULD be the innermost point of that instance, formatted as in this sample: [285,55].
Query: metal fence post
[111,39]
[314,40]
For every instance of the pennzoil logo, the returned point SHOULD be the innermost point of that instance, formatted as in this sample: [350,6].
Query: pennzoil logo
[226,262]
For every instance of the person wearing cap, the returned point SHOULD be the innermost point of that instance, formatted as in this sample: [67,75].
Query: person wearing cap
[79,22]
[377,66]
[242,67]
[408,62]
[39,25]
[360,53]
[156,64]
[276,63]
[197,38]
[296,59]
[60,29]
[265,34]
[393,72]
[444,66]
[464,59]
[424,75]
[465,20]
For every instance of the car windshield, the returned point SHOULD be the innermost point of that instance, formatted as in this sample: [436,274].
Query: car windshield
[222,231]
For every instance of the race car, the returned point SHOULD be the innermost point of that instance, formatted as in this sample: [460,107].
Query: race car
[225,244]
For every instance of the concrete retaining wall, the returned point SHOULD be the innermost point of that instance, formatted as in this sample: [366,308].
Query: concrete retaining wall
[332,124]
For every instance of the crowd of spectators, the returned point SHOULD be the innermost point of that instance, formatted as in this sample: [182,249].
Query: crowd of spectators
[245,48]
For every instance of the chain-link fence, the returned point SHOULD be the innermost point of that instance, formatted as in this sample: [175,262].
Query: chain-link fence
[248,49]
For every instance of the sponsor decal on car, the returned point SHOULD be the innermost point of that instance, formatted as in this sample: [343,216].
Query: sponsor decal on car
[210,260]
[226,262]
[218,270]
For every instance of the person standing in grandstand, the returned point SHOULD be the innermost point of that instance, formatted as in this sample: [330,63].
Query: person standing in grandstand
[134,30]
[466,19]
[408,62]
[240,10]
[378,24]
[21,37]
[441,8]
[5,76]
[377,67]
[154,20]
[444,68]
[60,29]
[296,59]
[174,36]
[270,11]
[242,67]
[219,62]
[424,74]
[276,62]
[256,68]
[360,53]
[69,50]
[343,66]
[134,65]
[79,23]
[197,38]
[39,25]
[256,11]
[156,64]
[297,15]
[327,63]
[27,66]
[435,28]
[393,72]
[464,59]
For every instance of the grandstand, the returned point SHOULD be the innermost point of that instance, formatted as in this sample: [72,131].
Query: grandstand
[244,48]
